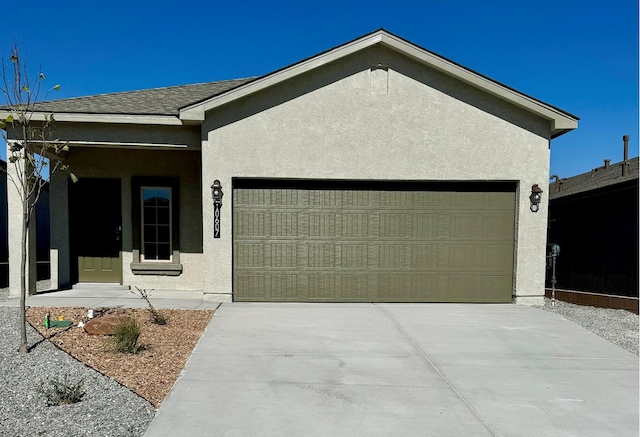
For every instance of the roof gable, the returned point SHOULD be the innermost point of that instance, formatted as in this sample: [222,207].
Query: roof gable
[560,121]
[188,104]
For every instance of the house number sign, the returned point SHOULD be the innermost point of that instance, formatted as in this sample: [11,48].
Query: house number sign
[216,220]
[216,193]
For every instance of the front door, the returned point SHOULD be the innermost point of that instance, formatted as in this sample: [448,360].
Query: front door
[95,226]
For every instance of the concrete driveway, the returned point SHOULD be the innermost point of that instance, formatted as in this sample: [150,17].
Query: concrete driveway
[400,370]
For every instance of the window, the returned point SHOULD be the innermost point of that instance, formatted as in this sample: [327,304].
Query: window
[156,219]
[155,230]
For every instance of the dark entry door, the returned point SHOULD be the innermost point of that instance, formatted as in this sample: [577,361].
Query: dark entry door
[95,225]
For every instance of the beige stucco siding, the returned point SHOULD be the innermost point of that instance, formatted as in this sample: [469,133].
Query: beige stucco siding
[401,122]
[125,164]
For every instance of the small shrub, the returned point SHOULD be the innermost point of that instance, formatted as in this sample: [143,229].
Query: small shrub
[125,337]
[63,392]
[156,317]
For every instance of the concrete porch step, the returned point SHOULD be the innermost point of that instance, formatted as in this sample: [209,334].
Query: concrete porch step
[99,286]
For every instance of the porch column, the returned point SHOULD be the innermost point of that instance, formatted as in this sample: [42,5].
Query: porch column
[60,254]
[14,235]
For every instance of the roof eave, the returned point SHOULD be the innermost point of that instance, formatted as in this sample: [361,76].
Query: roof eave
[562,125]
[165,120]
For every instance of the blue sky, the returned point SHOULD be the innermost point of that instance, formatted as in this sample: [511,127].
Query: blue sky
[579,55]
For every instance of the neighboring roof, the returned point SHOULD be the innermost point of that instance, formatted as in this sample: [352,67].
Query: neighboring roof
[156,101]
[595,179]
[189,103]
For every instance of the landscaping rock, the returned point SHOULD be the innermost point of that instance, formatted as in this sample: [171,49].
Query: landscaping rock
[105,325]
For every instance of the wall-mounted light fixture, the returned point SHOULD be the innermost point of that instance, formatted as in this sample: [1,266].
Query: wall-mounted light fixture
[535,198]
[216,192]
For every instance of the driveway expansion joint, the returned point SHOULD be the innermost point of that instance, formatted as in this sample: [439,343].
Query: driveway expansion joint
[432,364]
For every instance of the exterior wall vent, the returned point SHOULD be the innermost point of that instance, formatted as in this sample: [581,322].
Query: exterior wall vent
[379,79]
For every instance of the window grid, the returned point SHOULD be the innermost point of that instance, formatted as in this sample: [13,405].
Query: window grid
[156,223]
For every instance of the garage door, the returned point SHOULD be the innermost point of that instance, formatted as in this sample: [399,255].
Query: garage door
[373,242]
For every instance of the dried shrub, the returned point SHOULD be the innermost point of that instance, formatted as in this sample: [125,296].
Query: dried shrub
[61,392]
[156,316]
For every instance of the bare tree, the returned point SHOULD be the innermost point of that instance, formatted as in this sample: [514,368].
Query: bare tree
[33,154]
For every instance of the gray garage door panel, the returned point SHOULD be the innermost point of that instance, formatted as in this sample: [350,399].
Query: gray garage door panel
[373,246]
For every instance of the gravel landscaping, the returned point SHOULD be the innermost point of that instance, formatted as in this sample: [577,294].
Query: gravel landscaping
[110,409]
[617,326]
[107,409]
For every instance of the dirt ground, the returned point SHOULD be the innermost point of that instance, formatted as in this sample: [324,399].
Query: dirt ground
[151,372]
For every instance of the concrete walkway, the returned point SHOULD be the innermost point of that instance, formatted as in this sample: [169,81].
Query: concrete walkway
[114,296]
[400,370]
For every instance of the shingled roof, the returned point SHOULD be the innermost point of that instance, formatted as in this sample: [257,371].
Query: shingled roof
[597,178]
[156,101]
